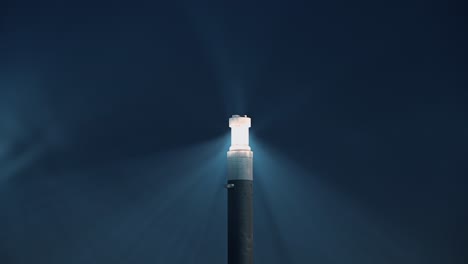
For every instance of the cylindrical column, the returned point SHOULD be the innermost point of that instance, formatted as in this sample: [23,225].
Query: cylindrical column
[240,193]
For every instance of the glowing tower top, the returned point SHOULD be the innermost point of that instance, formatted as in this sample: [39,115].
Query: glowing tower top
[239,132]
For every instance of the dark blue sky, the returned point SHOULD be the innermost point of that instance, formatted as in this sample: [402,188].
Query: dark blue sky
[109,111]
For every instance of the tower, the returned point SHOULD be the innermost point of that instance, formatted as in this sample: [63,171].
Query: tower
[240,192]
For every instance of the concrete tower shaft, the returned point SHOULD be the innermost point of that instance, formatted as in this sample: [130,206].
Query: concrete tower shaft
[240,193]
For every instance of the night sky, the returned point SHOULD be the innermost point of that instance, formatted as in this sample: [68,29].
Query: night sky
[114,130]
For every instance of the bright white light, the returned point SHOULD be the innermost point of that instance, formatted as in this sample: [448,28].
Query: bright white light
[239,132]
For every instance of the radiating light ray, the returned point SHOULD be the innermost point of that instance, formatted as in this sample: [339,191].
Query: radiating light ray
[151,206]
[9,168]
[170,208]
[19,148]
[179,199]
[336,229]
[267,225]
[231,71]
[27,127]
[282,110]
